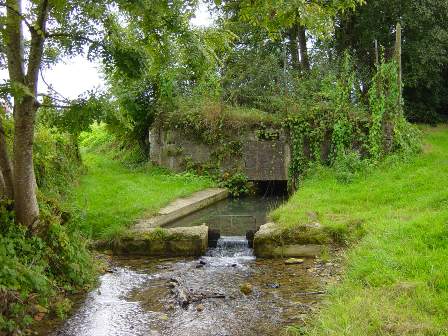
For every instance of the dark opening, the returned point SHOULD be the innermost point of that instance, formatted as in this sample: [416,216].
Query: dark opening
[271,188]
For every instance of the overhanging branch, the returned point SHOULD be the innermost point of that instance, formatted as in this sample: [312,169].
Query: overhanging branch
[23,18]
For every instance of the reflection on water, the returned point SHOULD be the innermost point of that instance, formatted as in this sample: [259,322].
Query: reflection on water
[233,217]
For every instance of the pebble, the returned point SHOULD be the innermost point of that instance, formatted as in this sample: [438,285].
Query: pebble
[246,288]
[293,261]
[200,307]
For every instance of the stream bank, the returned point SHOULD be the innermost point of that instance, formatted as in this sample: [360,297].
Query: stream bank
[227,291]
[135,296]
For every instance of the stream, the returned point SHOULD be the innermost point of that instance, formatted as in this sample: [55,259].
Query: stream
[136,296]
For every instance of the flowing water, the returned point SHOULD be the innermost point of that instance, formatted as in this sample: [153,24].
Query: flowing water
[138,296]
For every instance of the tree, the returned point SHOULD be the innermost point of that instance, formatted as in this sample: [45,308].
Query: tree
[58,28]
[425,48]
[54,28]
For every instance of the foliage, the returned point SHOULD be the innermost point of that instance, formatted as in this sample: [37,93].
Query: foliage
[277,15]
[424,42]
[156,57]
[237,184]
[56,159]
[77,117]
[38,268]
[389,131]
[340,129]
[114,176]
[395,275]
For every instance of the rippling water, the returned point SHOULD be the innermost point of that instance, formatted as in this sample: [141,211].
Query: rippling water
[136,297]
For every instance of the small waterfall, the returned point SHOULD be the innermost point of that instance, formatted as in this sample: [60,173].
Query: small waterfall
[231,246]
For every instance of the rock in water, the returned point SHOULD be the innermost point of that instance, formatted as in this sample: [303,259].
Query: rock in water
[200,307]
[246,288]
[293,261]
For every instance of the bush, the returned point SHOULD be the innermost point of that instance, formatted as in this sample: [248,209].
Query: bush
[237,184]
[39,268]
[348,165]
[56,159]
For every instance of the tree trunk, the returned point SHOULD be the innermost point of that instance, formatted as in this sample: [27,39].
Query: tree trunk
[2,187]
[293,47]
[25,105]
[26,207]
[303,49]
[6,166]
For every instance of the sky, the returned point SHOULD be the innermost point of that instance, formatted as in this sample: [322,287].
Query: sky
[72,77]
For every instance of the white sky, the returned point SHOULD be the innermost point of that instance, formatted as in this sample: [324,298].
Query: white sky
[74,76]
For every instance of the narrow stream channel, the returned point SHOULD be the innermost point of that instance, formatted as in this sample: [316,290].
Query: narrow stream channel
[136,297]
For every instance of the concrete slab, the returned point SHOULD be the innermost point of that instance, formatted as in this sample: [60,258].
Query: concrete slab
[160,242]
[182,207]
[269,243]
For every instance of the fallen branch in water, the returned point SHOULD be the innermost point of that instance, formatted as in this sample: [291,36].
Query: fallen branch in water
[311,293]
[184,297]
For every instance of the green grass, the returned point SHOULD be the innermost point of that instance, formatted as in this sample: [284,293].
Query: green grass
[396,275]
[113,195]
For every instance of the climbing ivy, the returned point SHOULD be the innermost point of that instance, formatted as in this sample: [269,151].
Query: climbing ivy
[389,131]
[340,129]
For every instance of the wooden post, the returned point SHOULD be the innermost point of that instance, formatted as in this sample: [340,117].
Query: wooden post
[398,59]
[377,58]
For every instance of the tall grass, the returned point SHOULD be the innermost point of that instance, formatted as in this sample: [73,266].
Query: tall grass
[116,191]
[396,276]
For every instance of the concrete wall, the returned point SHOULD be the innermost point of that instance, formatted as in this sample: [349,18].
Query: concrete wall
[260,160]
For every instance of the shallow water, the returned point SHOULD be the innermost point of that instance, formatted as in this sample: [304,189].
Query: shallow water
[233,217]
[137,297]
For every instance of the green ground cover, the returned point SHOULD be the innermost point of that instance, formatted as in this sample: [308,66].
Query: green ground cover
[112,194]
[396,273]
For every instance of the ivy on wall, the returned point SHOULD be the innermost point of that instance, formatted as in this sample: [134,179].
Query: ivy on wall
[338,126]
[343,129]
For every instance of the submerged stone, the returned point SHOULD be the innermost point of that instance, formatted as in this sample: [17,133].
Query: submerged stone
[246,288]
[292,261]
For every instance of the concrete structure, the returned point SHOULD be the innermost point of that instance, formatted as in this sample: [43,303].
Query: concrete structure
[148,238]
[182,207]
[268,243]
[260,160]
[158,242]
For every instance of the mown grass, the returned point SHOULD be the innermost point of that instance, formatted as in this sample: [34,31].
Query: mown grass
[112,195]
[396,275]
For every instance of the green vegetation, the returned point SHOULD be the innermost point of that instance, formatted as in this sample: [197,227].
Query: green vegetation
[39,268]
[117,189]
[394,219]
[341,104]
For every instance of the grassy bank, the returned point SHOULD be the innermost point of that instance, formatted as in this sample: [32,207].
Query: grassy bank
[113,194]
[396,277]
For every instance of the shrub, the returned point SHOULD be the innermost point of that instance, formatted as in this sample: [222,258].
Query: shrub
[237,184]
[348,165]
[37,268]
[56,159]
